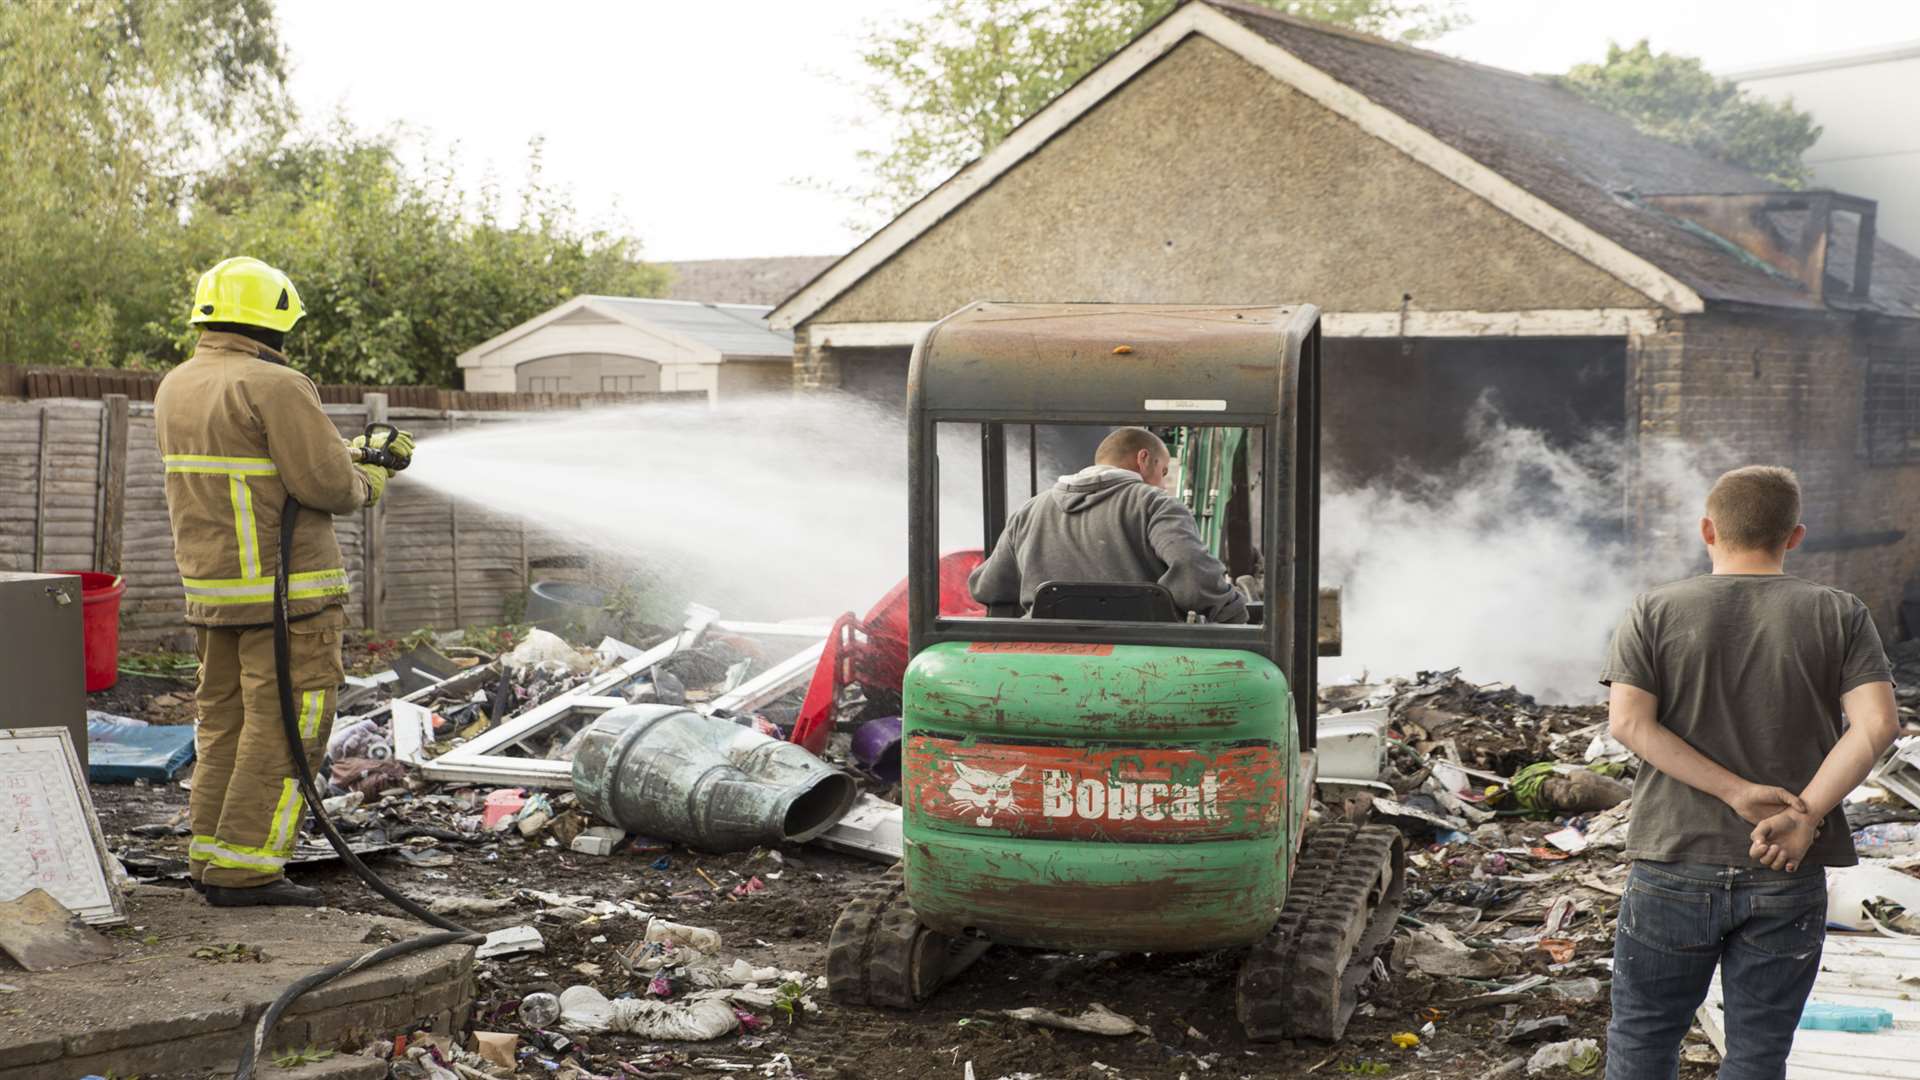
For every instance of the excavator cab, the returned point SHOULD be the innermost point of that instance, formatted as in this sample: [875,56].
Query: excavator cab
[1106,771]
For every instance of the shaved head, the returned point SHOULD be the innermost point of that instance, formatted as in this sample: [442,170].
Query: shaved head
[1755,508]
[1123,446]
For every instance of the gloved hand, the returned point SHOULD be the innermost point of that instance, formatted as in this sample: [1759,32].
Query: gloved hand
[399,444]
[376,480]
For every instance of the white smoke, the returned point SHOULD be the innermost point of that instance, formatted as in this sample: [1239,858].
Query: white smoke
[1511,565]
[767,508]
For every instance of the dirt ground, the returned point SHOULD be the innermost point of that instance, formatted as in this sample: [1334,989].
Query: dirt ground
[1187,1001]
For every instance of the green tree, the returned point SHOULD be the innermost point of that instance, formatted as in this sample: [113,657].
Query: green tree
[109,106]
[957,80]
[1677,99]
[400,270]
[146,140]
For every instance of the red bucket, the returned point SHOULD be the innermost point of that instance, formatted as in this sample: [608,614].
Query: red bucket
[100,616]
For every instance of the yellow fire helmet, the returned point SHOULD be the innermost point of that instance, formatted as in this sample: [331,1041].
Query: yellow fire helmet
[245,290]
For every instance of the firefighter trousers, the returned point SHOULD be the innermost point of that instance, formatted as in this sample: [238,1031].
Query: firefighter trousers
[246,805]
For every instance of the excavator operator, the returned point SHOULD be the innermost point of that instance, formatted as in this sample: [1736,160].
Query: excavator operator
[1112,522]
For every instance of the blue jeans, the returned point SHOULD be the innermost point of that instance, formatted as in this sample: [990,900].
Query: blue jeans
[1762,928]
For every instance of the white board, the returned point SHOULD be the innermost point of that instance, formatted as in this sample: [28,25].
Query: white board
[49,837]
[1855,969]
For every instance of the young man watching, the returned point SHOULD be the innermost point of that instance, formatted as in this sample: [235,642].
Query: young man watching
[1757,701]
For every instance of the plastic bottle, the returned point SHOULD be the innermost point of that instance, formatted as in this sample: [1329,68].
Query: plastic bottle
[539,1010]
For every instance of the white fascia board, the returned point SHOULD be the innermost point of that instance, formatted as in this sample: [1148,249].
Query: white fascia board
[982,171]
[1375,119]
[1550,322]
[865,335]
[1558,322]
[475,356]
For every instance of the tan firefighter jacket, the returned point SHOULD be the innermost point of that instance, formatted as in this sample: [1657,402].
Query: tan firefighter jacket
[238,430]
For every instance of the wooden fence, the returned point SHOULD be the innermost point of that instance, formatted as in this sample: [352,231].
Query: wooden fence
[93,384]
[82,488]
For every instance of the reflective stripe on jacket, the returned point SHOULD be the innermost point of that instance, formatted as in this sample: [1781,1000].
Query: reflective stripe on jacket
[238,430]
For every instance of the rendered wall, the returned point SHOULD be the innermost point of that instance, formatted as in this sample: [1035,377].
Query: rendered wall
[745,378]
[1207,180]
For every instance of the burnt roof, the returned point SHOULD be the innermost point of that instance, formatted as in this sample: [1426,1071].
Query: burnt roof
[1585,161]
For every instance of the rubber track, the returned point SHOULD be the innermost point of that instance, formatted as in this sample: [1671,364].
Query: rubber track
[851,943]
[1302,980]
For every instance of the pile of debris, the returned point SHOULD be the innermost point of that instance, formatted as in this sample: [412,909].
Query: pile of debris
[475,773]
[456,758]
[528,719]
[1516,815]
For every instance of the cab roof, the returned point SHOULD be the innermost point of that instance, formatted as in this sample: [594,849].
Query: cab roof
[1172,363]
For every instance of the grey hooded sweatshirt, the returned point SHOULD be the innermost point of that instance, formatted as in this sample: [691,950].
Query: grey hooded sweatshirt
[1105,523]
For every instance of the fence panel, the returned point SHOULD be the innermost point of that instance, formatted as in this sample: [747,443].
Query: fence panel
[441,563]
[151,610]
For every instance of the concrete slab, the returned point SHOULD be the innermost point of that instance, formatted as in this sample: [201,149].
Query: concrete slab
[337,1067]
[157,1007]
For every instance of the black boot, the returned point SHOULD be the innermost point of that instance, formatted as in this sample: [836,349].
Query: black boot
[281,893]
[198,886]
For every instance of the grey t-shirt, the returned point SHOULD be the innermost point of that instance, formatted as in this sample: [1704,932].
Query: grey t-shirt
[1749,669]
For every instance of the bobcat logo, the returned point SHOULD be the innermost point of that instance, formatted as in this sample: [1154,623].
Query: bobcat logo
[985,792]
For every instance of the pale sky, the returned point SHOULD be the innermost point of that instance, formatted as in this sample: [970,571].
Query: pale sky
[704,129]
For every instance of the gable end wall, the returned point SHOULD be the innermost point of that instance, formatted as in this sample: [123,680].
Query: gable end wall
[1207,180]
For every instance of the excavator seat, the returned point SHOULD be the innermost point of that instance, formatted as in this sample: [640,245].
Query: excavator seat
[1105,601]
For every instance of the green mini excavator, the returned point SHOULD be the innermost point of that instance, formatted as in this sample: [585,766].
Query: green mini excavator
[1105,771]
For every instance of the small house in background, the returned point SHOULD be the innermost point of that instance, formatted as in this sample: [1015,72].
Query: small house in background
[623,345]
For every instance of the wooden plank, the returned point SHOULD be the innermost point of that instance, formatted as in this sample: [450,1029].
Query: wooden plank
[373,533]
[40,499]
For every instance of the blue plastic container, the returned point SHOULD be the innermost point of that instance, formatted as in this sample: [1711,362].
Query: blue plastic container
[1822,1016]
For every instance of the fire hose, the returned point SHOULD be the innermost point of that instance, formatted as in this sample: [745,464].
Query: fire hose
[451,933]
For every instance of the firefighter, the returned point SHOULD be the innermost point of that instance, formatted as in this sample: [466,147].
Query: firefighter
[239,432]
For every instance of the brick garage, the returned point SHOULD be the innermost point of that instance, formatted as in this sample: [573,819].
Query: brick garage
[1468,232]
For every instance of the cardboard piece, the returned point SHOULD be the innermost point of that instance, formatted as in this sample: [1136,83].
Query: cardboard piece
[497,1047]
[41,935]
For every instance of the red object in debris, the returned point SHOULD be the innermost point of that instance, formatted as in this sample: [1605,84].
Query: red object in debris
[501,805]
[1559,950]
[100,626]
[873,651]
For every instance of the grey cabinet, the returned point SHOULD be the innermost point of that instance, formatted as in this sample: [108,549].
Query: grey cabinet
[42,658]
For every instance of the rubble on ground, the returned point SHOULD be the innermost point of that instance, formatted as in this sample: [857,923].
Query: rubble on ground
[614,953]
